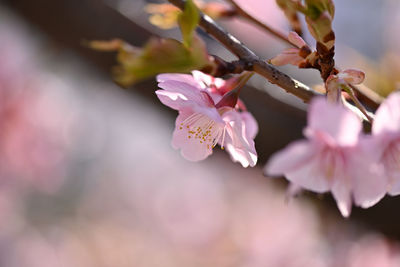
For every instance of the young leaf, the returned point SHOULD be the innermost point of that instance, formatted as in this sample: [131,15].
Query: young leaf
[157,56]
[188,21]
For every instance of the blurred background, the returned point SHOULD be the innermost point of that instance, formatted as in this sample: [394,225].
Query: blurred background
[88,176]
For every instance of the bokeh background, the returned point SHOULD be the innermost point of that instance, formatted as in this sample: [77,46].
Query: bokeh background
[88,176]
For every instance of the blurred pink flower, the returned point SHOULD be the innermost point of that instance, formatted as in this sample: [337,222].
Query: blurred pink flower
[373,251]
[332,159]
[386,140]
[204,121]
[32,148]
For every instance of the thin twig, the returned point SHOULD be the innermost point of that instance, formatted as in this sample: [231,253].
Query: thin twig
[244,14]
[253,62]
[372,99]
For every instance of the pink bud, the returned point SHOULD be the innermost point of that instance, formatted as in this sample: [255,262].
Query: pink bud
[295,39]
[289,56]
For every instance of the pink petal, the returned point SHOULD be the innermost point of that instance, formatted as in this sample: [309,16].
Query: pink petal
[250,124]
[210,112]
[238,144]
[334,120]
[178,94]
[390,160]
[369,182]
[387,117]
[206,80]
[352,76]
[185,78]
[295,39]
[191,149]
[310,177]
[341,193]
[294,156]
[289,56]
[394,189]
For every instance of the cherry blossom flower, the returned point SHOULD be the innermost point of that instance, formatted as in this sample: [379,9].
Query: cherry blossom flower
[204,120]
[332,159]
[385,140]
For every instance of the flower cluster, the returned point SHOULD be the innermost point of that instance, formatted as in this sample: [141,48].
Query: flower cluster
[209,114]
[338,157]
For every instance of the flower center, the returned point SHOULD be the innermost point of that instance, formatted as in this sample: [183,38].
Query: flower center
[201,128]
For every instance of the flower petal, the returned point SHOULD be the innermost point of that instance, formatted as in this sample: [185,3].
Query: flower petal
[387,118]
[290,158]
[394,188]
[238,144]
[369,183]
[206,80]
[310,176]
[191,148]
[295,39]
[177,95]
[352,76]
[250,124]
[334,120]
[179,77]
[289,56]
[341,193]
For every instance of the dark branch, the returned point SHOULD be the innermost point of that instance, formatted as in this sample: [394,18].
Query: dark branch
[247,56]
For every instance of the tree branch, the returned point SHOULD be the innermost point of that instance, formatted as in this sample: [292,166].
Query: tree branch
[365,94]
[251,60]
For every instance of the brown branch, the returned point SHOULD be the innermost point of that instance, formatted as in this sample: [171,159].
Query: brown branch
[242,13]
[251,60]
[365,94]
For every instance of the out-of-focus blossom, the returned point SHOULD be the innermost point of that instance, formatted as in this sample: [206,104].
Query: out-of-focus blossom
[32,147]
[332,159]
[205,120]
[370,251]
[386,140]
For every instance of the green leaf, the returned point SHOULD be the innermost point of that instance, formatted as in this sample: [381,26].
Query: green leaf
[157,56]
[188,21]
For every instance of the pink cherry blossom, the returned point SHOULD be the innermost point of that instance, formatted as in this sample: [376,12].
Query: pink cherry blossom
[332,158]
[202,123]
[386,140]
